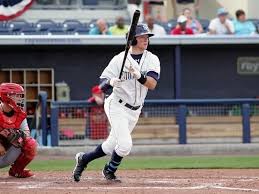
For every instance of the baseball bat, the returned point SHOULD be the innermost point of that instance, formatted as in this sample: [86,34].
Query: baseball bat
[130,37]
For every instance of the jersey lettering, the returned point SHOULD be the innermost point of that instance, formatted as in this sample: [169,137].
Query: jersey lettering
[127,76]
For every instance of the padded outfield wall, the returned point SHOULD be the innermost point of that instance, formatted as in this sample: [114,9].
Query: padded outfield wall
[192,67]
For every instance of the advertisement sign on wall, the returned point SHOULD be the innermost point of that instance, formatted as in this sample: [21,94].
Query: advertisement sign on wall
[248,65]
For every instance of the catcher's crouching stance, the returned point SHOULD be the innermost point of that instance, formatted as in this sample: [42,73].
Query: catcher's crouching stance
[17,148]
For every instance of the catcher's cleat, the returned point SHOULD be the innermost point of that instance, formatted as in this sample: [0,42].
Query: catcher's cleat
[80,166]
[109,176]
[20,174]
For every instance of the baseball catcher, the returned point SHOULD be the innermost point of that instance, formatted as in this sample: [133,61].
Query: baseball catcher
[17,148]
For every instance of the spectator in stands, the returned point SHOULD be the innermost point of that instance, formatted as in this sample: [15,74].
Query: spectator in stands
[119,28]
[191,22]
[242,26]
[154,28]
[181,28]
[101,28]
[221,25]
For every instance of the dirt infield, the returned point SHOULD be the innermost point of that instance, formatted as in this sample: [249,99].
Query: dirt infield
[142,181]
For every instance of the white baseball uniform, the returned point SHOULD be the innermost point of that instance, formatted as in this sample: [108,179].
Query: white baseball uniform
[124,105]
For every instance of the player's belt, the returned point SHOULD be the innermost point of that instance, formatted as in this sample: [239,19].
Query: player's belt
[129,106]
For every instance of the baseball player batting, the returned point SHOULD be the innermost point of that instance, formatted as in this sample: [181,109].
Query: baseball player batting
[123,107]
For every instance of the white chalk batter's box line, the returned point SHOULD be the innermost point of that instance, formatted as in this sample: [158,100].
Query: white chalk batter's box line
[50,186]
[137,188]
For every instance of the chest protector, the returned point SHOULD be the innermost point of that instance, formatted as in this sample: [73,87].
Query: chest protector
[13,122]
[10,132]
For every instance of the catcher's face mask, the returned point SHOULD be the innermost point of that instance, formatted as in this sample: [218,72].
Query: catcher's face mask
[13,95]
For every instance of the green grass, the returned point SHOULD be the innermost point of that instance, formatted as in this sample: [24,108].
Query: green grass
[188,162]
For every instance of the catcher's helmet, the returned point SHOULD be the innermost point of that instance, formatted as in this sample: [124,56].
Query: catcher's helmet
[141,29]
[13,95]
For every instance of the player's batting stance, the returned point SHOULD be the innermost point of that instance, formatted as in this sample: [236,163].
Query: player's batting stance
[123,106]
[17,148]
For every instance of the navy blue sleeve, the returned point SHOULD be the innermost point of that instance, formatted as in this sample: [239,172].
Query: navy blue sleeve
[153,74]
[104,84]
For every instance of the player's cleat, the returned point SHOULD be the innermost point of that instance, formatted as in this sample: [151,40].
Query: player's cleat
[20,174]
[80,166]
[109,176]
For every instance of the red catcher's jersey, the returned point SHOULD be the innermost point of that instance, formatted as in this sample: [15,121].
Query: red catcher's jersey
[13,122]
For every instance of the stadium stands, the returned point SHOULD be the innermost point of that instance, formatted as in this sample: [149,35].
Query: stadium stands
[81,30]
[80,4]
[256,23]
[29,30]
[56,30]
[55,4]
[170,25]
[16,26]
[43,26]
[3,29]
[205,24]
[82,10]
[74,26]
[92,24]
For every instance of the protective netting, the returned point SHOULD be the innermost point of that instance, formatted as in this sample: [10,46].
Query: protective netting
[209,122]
[80,122]
[214,121]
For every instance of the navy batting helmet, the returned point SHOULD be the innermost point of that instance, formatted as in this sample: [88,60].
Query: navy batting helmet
[141,29]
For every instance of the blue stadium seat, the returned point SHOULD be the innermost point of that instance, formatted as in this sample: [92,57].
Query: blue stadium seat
[16,26]
[255,21]
[56,30]
[43,26]
[3,29]
[205,24]
[91,24]
[45,2]
[30,30]
[68,2]
[82,30]
[2,24]
[170,25]
[165,26]
[90,2]
[70,26]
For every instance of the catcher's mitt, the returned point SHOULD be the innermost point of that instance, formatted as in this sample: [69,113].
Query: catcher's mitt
[13,136]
